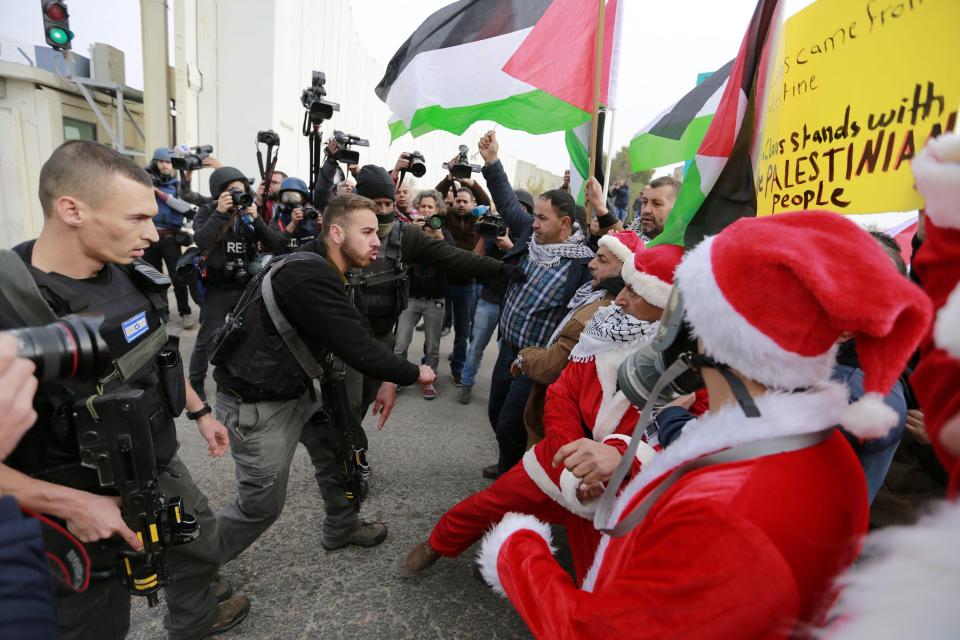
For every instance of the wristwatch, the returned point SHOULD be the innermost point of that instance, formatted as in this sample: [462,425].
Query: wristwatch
[518,362]
[199,413]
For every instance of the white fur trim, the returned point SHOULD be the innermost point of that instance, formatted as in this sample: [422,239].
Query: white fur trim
[613,403]
[569,484]
[653,289]
[937,173]
[731,339]
[546,484]
[908,586]
[497,537]
[645,452]
[620,251]
[869,417]
[781,414]
[946,330]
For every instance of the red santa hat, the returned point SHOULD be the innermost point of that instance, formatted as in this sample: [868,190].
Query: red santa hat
[937,172]
[771,296]
[650,273]
[622,245]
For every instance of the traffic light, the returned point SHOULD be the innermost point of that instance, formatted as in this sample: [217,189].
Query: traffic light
[56,24]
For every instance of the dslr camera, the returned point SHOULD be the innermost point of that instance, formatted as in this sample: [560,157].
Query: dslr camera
[191,158]
[436,221]
[314,99]
[487,222]
[309,212]
[235,270]
[70,348]
[418,166]
[462,169]
[241,198]
[344,153]
[269,137]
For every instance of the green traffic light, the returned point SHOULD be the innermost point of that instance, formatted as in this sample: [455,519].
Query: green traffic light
[58,35]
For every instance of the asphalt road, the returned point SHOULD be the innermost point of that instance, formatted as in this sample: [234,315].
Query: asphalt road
[428,457]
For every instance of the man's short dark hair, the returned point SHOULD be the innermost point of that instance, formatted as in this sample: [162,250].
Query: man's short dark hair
[339,210]
[563,204]
[466,191]
[85,169]
[890,245]
[665,181]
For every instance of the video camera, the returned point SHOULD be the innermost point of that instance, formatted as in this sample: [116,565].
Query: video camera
[436,221]
[462,169]
[190,158]
[344,152]
[314,101]
[488,223]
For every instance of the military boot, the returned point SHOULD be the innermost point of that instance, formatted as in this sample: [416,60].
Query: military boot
[367,534]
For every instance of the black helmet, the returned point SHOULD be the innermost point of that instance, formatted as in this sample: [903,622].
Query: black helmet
[223,176]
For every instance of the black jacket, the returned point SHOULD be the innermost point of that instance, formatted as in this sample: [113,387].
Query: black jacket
[209,235]
[314,298]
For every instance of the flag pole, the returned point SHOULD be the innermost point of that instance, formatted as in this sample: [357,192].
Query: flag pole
[597,73]
[606,174]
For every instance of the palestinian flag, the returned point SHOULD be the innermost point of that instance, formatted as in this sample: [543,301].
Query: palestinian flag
[578,146]
[718,187]
[676,134]
[526,64]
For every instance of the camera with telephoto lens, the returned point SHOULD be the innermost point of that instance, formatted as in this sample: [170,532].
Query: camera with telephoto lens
[314,101]
[70,348]
[191,158]
[436,221]
[309,212]
[488,223]
[235,270]
[462,169]
[344,152]
[418,166]
[241,198]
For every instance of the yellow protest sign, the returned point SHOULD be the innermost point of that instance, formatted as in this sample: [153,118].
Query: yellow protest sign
[853,90]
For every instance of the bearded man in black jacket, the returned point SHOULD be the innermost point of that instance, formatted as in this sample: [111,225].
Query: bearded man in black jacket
[268,402]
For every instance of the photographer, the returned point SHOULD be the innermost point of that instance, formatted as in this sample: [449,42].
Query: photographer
[331,176]
[273,194]
[228,237]
[462,291]
[268,401]
[169,224]
[295,218]
[97,208]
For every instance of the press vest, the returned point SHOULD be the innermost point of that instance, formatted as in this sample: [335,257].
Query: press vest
[383,283]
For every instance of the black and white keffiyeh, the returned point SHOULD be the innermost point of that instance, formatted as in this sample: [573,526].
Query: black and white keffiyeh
[550,254]
[585,295]
[611,328]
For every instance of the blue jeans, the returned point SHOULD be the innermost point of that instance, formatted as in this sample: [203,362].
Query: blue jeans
[508,399]
[875,455]
[485,321]
[621,214]
[464,301]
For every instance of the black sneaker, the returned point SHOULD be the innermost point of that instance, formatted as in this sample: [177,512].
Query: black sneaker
[456,379]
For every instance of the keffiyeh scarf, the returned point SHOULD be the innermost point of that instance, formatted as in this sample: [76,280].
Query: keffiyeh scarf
[611,328]
[585,295]
[550,254]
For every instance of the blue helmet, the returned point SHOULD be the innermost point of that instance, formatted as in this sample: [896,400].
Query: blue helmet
[163,153]
[295,184]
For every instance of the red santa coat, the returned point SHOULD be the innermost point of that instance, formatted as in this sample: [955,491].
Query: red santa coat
[585,394]
[740,550]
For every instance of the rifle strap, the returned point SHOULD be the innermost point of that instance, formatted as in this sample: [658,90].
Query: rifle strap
[19,287]
[290,337]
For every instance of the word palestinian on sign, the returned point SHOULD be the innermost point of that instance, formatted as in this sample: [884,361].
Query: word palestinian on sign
[852,93]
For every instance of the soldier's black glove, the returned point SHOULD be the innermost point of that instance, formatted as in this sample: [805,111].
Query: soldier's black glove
[513,272]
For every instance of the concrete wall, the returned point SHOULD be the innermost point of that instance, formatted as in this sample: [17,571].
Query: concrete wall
[33,103]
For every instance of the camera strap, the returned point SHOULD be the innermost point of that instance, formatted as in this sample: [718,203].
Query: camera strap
[19,287]
[290,337]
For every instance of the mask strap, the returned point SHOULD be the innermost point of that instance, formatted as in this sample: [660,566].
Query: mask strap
[740,393]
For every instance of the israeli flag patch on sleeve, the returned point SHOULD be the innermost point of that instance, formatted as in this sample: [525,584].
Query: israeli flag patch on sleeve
[135,326]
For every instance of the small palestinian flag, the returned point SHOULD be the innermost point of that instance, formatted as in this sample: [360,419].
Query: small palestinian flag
[718,187]
[526,64]
[676,134]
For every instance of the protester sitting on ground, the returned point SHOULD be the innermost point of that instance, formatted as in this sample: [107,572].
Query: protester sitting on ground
[550,248]
[657,200]
[745,544]
[560,477]
[544,364]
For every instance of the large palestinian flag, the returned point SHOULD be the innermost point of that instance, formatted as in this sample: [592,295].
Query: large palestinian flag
[526,64]
[718,187]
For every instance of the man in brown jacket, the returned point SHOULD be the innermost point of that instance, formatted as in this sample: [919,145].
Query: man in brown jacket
[544,364]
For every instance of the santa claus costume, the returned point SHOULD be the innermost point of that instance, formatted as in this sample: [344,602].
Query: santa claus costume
[746,548]
[585,394]
[910,584]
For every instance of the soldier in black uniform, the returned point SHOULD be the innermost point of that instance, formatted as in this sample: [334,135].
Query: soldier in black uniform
[228,236]
[98,208]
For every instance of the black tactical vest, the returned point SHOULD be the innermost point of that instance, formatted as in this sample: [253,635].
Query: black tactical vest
[259,357]
[383,283]
[134,305]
